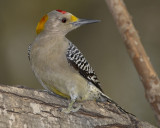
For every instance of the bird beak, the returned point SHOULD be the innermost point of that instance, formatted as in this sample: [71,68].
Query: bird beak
[80,22]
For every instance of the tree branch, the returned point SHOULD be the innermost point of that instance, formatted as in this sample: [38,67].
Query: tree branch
[137,53]
[28,108]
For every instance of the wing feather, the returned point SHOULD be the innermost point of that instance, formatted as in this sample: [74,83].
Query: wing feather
[78,61]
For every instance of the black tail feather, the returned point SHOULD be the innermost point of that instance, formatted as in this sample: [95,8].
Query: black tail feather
[104,98]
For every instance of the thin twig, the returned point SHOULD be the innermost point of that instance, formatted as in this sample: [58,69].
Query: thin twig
[137,53]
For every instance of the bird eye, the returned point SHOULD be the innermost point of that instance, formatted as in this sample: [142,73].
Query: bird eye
[64,20]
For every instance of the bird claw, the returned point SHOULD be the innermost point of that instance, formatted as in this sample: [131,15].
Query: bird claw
[71,109]
[76,109]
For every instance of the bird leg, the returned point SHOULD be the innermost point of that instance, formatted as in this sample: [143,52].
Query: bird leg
[70,107]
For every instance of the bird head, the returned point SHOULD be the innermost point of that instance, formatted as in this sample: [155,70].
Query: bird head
[62,22]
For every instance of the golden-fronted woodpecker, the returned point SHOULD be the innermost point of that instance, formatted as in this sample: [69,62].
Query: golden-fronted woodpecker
[59,65]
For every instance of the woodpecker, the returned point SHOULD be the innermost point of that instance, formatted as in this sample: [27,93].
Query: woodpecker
[59,65]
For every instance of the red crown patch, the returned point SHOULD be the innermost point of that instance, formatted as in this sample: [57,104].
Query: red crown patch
[63,12]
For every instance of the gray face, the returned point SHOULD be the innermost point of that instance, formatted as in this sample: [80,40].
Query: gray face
[60,23]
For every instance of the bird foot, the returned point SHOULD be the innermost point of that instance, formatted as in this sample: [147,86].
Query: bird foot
[70,108]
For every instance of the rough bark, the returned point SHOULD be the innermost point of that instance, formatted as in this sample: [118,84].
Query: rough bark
[29,108]
[137,53]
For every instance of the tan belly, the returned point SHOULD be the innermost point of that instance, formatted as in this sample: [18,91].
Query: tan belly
[59,77]
[53,71]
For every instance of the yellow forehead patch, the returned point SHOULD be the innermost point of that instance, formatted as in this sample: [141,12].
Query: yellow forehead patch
[73,18]
[41,24]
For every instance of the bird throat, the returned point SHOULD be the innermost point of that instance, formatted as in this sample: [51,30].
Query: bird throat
[41,24]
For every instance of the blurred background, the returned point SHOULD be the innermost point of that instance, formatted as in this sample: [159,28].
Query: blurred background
[100,43]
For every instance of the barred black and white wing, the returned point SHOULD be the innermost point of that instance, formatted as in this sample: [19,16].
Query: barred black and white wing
[78,61]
